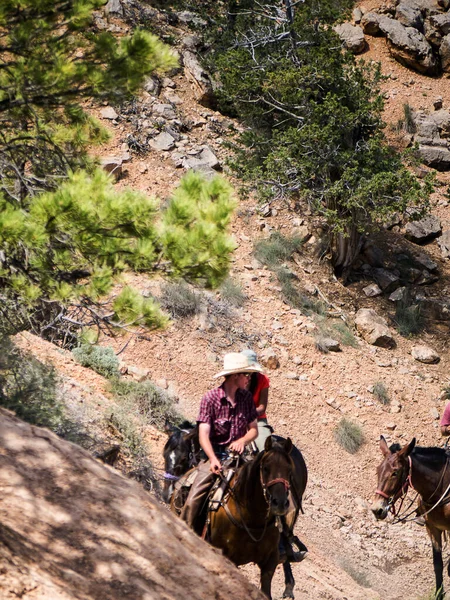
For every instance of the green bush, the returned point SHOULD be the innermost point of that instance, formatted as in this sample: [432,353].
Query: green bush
[180,300]
[231,292]
[28,387]
[101,359]
[408,317]
[380,392]
[149,404]
[276,249]
[349,435]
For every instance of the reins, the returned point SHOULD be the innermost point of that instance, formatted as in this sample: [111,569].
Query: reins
[242,524]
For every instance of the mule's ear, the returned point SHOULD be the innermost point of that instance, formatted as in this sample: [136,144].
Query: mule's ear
[168,428]
[268,444]
[288,445]
[406,450]
[383,446]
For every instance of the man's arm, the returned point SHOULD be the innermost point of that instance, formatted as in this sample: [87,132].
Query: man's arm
[252,434]
[445,430]
[204,431]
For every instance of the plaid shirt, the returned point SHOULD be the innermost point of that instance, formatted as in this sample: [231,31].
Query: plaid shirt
[228,423]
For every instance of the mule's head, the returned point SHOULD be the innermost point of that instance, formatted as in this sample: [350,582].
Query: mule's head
[276,469]
[392,476]
[180,454]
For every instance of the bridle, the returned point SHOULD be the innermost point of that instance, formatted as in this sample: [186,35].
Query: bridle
[392,499]
[404,490]
[265,487]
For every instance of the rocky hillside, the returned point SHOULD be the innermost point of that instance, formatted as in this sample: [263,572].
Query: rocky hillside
[351,556]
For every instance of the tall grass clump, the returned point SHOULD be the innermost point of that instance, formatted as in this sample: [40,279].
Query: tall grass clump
[410,125]
[180,300]
[380,392]
[231,292]
[101,359]
[149,404]
[276,249]
[349,435]
[295,297]
[408,318]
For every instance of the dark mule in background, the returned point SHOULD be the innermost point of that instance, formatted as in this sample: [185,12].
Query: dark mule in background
[299,477]
[181,453]
[427,471]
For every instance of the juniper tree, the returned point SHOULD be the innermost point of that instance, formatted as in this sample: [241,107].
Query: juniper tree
[314,128]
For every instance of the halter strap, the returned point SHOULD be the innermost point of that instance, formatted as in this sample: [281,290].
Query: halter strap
[170,477]
[286,484]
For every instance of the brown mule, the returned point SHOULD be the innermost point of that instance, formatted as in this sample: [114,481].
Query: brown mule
[426,470]
[246,527]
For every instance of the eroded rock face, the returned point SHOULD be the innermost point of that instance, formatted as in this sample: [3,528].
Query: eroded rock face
[73,528]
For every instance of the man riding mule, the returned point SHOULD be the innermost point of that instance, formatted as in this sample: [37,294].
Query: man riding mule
[227,420]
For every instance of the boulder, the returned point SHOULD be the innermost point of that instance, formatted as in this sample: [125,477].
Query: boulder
[398,295]
[444,244]
[437,157]
[352,37]
[163,142]
[409,46]
[268,358]
[409,15]
[114,7]
[441,22]
[109,113]
[370,23]
[425,354]
[112,165]
[423,230]
[373,328]
[387,280]
[372,290]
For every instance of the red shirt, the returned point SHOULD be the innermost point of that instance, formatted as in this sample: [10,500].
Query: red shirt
[445,420]
[263,383]
[228,423]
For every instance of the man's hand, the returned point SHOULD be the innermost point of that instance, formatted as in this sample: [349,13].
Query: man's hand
[215,466]
[237,446]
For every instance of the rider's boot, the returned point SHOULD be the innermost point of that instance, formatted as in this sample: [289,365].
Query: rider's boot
[286,549]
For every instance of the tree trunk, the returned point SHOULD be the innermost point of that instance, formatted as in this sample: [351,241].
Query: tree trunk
[345,248]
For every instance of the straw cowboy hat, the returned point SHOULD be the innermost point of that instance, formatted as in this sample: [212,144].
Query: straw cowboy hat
[236,362]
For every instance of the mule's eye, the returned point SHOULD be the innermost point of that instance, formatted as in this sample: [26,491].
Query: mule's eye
[266,470]
[394,473]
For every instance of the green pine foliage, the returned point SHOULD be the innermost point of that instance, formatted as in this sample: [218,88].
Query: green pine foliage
[194,230]
[62,256]
[52,57]
[313,115]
